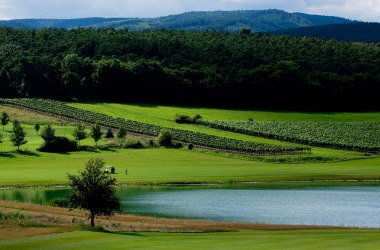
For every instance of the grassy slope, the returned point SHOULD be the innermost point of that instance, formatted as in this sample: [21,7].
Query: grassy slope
[164,165]
[301,239]
[163,114]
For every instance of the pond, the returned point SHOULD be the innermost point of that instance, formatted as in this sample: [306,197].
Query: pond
[355,206]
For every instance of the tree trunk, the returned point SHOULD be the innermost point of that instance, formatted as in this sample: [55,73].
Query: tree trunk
[92,220]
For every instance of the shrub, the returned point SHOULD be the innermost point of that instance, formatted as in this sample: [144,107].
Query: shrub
[48,133]
[185,119]
[182,119]
[165,138]
[59,144]
[60,202]
[190,146]
[109,134]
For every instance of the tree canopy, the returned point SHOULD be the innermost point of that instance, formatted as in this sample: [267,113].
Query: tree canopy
[94,190]
[195,68]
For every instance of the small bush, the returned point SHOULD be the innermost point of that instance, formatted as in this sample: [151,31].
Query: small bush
[133,143]
[165,138]
[59,144]
[190,146]
[60,202]
[185,119]
[109,134]
[182,119]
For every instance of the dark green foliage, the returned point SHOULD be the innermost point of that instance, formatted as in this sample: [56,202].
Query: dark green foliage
[362,136]
[94,190]
[165,138]
[196,68]
[80,133]
[18,135]
[60,202]
[1,138]
[200,139]
[48,133]
[121,133]
[96,133]
[4,119]
[185,119]
[351,32]
[59,144]
[37,127]
[190,146]
[109,134]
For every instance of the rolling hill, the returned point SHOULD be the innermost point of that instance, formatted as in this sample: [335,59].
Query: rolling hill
[229,21]
[349,32]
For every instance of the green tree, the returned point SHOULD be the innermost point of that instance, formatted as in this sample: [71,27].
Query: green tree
[94,190]
[37,127]
[109,134]
[18,135]
[121,133]
[4,119]
[80,133]
[48,133]
[165,138]
[96,133]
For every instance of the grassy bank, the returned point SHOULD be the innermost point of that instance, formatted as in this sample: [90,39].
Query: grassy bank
[301,239]
[41,227]
[175,166]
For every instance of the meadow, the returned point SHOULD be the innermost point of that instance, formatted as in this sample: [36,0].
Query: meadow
[29,167]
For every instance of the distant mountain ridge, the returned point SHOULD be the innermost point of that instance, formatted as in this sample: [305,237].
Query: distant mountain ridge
[348,32]
[228,21]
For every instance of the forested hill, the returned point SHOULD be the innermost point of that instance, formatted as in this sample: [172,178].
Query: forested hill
[351,32]
[230,21]
[195,68]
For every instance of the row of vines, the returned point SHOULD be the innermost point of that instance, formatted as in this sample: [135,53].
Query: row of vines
[361,136]
[200,139]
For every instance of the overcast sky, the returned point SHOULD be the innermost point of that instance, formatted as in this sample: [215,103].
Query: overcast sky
[367,10]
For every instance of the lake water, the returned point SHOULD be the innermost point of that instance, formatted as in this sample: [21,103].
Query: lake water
[356,206]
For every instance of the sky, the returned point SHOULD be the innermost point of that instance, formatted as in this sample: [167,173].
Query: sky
[365,10]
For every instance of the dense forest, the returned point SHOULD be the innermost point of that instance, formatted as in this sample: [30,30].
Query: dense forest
[228,21]
[349,32]
[244,70]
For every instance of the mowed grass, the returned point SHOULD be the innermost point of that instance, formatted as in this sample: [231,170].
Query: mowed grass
[290,239]
[175,166]
[160,114]
[30,167]
[164,116]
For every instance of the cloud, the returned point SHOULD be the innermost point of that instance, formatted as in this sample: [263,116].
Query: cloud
[368,10]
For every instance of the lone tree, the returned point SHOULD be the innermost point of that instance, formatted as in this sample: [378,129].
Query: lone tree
[109,134]
[165,138]
[96,133]
[37,127]
[18,135]
[94,190]
[121,133]
[48,133]
[4,119]
[80,133]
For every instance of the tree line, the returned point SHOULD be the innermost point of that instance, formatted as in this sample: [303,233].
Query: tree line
[245,70]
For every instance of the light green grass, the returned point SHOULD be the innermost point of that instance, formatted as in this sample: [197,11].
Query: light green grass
[174,166]
[161,115]
[298,239]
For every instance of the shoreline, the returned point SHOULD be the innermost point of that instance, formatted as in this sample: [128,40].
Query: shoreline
[206,184]
[141,223]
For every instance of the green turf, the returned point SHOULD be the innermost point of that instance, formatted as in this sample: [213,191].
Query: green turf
[298,239]
[163,114]
[173,165]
